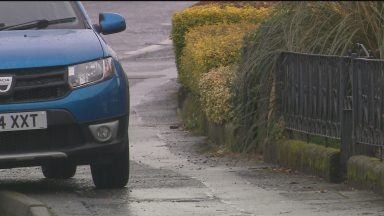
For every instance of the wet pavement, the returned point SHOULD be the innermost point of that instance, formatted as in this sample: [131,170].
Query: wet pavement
[171,171]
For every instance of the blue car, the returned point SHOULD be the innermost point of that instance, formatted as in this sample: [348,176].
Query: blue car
[64,98]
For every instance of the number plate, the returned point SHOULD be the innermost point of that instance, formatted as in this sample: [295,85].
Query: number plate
[23,121]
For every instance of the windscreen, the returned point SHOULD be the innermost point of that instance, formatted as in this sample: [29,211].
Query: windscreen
[17,12]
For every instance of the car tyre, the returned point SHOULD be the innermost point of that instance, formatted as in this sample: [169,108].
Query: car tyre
[59,170]
[114,174]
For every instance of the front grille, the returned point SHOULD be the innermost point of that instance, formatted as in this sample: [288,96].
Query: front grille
[36,84]
[51,139]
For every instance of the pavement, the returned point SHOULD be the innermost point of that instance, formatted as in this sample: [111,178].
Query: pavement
[172,173]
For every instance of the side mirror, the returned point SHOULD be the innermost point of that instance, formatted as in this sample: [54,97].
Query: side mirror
[110,23]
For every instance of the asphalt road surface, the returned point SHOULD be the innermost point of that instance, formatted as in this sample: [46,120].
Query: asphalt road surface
[170,173]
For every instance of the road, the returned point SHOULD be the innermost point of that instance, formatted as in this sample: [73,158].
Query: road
[170,173]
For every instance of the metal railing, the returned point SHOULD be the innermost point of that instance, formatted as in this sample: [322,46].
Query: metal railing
[334,97]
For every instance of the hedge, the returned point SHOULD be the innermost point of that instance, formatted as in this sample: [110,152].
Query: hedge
[366,173]
[307,157]
[209,47]
[209,14]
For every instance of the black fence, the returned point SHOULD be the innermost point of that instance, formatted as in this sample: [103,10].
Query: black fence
[334,97]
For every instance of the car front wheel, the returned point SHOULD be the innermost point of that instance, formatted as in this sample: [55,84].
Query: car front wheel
[114,174]
[59,170]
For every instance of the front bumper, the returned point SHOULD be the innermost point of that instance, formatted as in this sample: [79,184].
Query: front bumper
[64,138]
[68,135]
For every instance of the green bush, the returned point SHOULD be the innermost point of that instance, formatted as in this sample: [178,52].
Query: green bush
[210,14]
[209,47]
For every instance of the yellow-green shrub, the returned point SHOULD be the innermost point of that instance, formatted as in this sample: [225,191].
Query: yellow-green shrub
[216,95]
[210,14]
[208,47]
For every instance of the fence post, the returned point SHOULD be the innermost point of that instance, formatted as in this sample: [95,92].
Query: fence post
[346,138]
[346,121]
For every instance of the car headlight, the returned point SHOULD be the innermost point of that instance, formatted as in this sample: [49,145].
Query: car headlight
[90,72]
